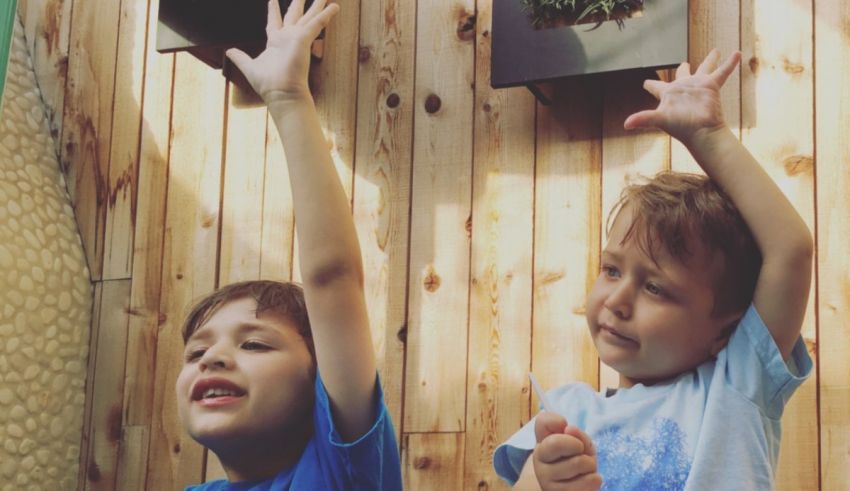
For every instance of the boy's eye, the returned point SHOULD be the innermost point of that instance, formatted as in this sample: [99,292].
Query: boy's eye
[195,354]
[610,271]
[254,346]
[654,289]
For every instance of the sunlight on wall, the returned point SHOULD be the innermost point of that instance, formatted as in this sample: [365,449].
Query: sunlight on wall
[45,297]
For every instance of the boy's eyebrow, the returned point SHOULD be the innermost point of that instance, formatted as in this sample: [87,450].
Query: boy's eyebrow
[244,327]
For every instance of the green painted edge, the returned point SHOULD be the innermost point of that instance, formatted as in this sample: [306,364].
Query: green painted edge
[7,24]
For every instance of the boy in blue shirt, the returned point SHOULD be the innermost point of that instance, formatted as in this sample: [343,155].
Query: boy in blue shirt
[284,401]
[698,305]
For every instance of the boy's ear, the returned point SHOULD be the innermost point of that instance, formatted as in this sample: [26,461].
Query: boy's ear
[729,323]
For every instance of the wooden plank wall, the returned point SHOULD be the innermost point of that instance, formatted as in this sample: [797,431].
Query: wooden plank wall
[480,214]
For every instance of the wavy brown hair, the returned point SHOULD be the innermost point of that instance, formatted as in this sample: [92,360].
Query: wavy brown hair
[673,209]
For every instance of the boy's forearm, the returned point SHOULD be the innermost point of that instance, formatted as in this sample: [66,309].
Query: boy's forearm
[778,229]
[326,235]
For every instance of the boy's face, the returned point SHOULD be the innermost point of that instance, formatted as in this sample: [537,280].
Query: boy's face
[649,321]
[244,377]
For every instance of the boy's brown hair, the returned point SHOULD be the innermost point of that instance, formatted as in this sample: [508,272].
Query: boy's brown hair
[676,208]
[286,299]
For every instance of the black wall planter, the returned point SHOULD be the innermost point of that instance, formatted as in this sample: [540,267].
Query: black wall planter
[523,55]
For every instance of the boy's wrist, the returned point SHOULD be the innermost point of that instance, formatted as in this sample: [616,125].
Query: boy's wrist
[281,101]
[706,138]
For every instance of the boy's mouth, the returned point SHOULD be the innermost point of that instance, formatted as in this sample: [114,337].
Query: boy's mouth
[215,388]
[617,334]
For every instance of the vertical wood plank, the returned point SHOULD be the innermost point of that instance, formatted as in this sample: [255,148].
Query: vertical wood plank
[87,122]
[627,155]
[331,82]
[433,461]
[713,24]
[242,199]
[124,146]
[568,194]
[91,365]
[47,27]
[832,64]
[190,253]
[133,458]
[440,228]
[382,180]
[501,265]
[108,382]
[145,315]
[777,47]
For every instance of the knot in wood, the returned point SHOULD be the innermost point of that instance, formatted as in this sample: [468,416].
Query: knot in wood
[432,280]
[421,463]
[466,27]
[364,54]
[432,104]
[799,164]
[393,100]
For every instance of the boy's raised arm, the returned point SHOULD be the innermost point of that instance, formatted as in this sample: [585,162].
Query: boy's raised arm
[330,260]
[689,110]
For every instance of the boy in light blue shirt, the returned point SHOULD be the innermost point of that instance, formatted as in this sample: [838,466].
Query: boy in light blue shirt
[288,400]
[698,306]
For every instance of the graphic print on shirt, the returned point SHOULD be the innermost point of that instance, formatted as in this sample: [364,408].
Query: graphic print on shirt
[653,459]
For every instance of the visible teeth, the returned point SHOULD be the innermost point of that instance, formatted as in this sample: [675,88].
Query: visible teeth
[218,393]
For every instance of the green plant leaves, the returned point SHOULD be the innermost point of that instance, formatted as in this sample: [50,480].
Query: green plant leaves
[547,11]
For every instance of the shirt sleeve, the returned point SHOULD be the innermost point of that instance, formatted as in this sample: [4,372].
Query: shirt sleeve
[371,462]
[510,456]
[754,366]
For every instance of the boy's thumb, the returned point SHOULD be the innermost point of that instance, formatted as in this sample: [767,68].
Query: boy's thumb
[239,58]
[548,423]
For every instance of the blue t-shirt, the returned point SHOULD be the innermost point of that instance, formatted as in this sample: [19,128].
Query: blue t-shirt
[371,463]
[715,427]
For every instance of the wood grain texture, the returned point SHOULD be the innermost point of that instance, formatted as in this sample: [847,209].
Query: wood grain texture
[190,253]
[440,222]
[832,72]
[87,120]
[121,198]
[777,89]
[433,461]
[501,265]
[145,315]
[382,181]
[107,399]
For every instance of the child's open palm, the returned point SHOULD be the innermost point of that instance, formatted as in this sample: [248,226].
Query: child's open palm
[691,102]
[280,72]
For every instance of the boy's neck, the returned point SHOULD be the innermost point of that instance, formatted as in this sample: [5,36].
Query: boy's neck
[257,461]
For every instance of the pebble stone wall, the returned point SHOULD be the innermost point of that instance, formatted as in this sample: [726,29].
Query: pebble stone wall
[45,297]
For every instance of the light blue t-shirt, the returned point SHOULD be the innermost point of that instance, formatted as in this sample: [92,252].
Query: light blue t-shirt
[371,463]
[715,427]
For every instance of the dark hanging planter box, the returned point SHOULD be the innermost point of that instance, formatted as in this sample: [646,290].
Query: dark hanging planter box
[208,28]
[525,55]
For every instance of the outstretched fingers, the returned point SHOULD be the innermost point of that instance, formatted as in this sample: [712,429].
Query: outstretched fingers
[275,21]
[240,59]
[683,71]
[654,87]
[644,119]
[322,19]
[315,8]
[293,13]
[725,70]
[709,63]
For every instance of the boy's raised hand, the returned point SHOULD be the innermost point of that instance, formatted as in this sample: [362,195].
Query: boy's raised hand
[689,104]
[280,72]
[564,458]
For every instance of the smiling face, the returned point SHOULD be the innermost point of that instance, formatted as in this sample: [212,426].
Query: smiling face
[246,379]
[652,320]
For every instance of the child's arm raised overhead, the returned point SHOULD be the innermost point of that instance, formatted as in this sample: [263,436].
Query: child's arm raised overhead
[689,110]
[330,261]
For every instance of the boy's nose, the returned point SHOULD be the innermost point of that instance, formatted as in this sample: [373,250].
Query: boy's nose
[619,301]
[214,360]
